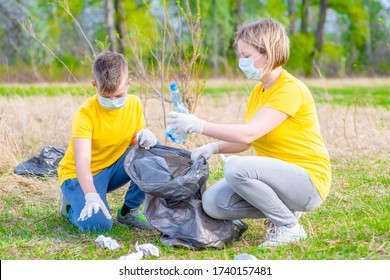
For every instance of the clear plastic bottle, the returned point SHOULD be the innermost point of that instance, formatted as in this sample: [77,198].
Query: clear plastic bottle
[178,106]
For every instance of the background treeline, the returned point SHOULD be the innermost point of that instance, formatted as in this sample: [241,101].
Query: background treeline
[44,40]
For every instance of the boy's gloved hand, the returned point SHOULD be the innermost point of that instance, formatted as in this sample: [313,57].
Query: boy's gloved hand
[206,151]
[146,138]
[187,123]
[93,203]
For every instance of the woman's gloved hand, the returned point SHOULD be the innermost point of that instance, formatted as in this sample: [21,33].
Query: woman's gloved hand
[187,123]
[205,151]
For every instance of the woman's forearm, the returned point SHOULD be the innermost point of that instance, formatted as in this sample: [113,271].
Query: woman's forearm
[231,148]
[233,133]
[263,122]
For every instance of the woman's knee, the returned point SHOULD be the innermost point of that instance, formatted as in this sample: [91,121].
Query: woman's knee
[211,204]
[312,203]
[233,171]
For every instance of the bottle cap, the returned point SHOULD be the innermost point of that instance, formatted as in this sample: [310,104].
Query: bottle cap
[173,86]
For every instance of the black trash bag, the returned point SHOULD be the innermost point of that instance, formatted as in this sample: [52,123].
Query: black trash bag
[44,164]
[174,184]
[185,224]
[166,172]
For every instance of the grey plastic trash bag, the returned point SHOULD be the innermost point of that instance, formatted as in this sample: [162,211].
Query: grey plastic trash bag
[166,172]
[44,164]
[185,224]
[174,184]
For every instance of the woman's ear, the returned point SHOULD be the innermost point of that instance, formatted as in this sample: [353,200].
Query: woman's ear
[93,83]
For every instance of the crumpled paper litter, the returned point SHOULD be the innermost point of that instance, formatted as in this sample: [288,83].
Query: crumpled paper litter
[142,250]
[107,242]
[245,256]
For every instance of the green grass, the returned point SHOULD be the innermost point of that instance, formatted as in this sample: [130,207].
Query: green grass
[349,95]
[364,96]
[368,96]
[45,90]
[50,90]
[353,223]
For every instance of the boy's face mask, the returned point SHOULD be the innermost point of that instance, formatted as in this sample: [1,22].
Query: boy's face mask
[112,104]
[248,67]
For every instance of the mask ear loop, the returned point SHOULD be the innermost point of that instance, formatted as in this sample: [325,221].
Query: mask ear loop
[258,57]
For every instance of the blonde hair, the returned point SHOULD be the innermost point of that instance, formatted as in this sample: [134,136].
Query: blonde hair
[267,36]
[109,71]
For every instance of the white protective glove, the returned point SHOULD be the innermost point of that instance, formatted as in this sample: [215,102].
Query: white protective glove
[206,151]
[146,138]
[93,203]
[187,123]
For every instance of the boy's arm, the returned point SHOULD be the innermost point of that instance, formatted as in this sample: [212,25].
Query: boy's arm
[93,201]
[82,157]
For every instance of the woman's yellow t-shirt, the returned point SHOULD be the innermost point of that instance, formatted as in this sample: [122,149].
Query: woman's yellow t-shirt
[111,132]
[298,139]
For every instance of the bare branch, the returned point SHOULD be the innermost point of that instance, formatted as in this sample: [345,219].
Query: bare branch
[29,29]
[65,5]
[141,67]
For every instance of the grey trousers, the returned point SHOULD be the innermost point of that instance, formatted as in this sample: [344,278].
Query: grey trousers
[261,187]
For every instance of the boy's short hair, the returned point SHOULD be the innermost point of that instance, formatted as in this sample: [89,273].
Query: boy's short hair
[267,36]
[109,71]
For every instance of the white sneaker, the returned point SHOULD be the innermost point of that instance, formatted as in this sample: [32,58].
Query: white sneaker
[297,214]
[277,236]
[268,224]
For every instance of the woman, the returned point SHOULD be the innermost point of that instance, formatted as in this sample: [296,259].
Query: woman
[291,171]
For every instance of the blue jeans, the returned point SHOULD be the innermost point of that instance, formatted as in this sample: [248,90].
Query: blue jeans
[261,187]
[107,180]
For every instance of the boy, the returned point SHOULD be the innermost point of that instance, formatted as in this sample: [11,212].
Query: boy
[103,129]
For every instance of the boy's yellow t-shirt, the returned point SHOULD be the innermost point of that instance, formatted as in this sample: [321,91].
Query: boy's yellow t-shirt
[111,132]
[298,139]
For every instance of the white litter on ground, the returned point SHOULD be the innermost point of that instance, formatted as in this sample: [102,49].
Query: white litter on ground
[107,242]
[245,256]
[142,250]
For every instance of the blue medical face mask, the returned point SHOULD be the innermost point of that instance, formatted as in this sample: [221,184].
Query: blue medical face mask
[112,104]
[247,65]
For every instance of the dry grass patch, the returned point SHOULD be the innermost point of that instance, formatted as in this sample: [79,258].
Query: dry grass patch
[29,123]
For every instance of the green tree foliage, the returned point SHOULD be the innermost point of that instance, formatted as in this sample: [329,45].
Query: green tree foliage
[355,37]
[219,31]
[277,10]
[378,47]
[302,45]
[138,20]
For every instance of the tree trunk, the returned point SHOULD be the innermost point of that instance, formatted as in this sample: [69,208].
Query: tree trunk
[237,18]
[292,16]
[110,24]
[304,15]
[119,22]
[215,54]
[319,36]
[320,26]
[240,11]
